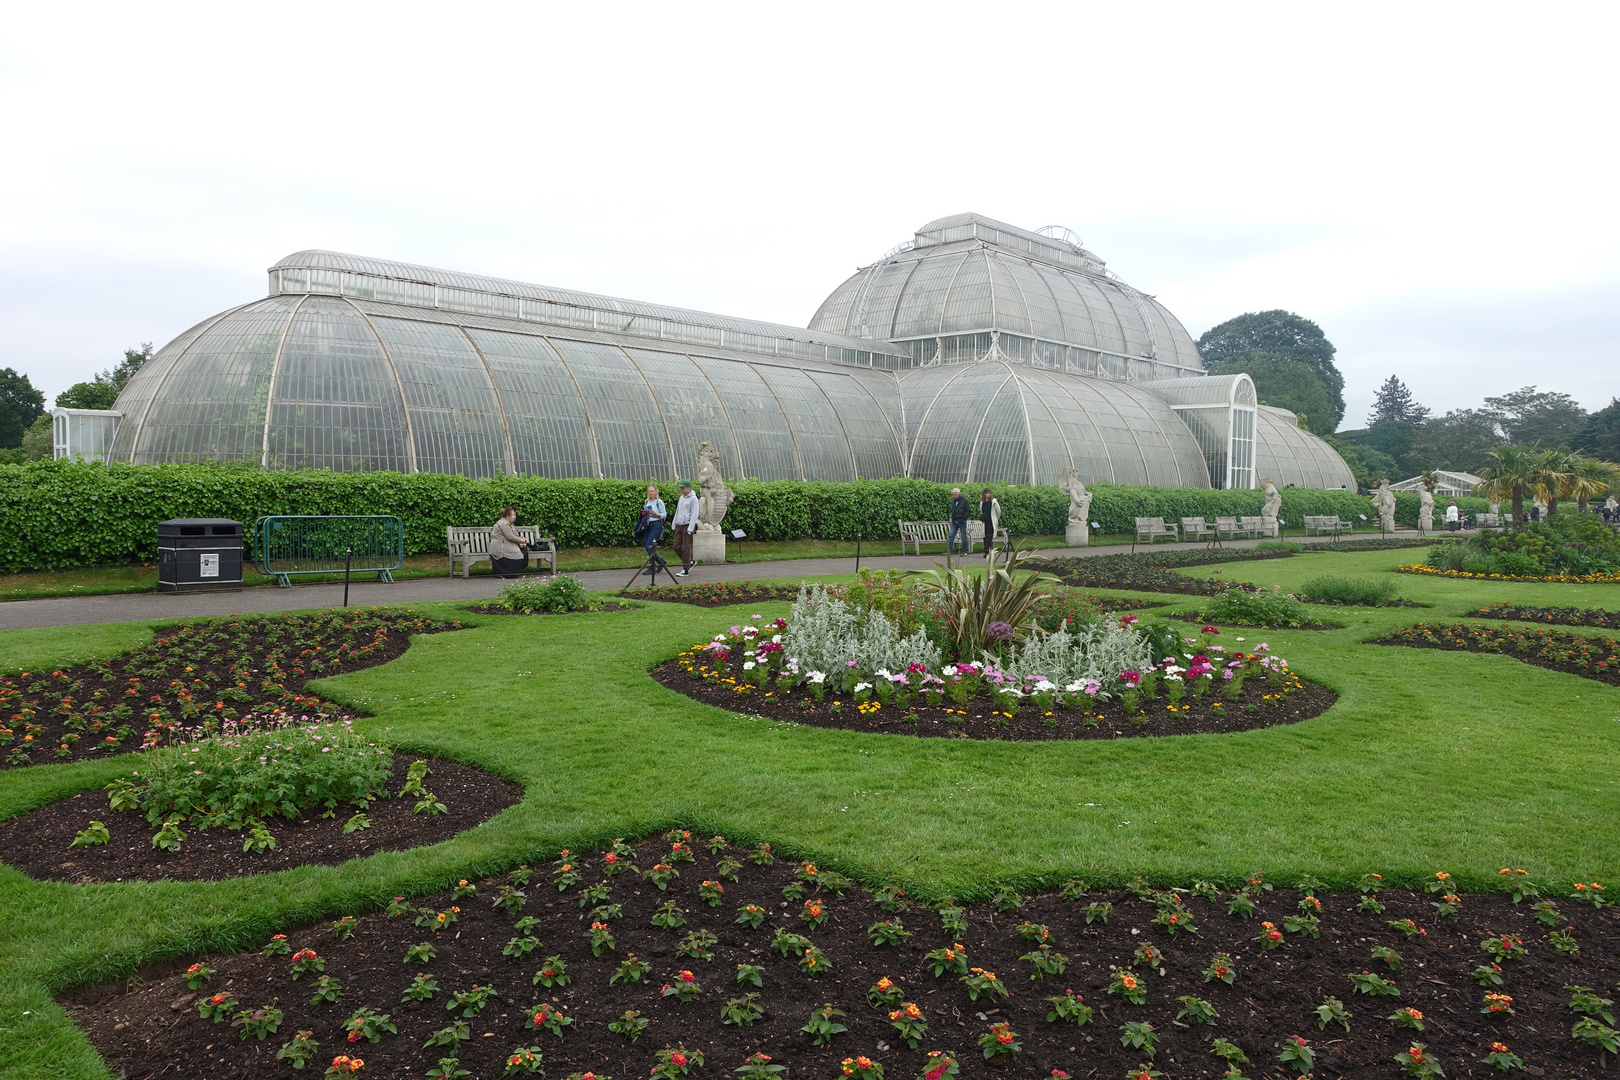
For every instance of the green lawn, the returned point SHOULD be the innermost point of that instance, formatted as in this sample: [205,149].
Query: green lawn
[1430,760]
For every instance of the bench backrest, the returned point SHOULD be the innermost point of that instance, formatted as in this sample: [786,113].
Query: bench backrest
[474,540]
[1225,523]
[1194,523]
[1251,523]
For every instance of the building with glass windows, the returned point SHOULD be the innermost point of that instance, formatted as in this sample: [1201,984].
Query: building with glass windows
[977,353]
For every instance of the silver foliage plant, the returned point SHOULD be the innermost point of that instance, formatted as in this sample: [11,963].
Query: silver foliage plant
[1098,652]
[824,634]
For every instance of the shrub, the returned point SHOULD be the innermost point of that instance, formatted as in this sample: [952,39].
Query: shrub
[560,593]
[1280,545]
[1274,609]
[284,770]
[1360,592]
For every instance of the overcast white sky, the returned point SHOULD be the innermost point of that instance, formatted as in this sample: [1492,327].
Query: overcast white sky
[1434,184]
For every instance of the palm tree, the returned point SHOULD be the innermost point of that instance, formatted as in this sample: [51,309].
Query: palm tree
[1509,472]
[1590,478]
[1556,469]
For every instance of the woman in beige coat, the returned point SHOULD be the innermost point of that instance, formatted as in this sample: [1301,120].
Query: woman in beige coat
[508,552]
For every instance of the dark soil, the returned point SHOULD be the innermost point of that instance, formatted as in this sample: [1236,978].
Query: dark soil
[713,594]
[1274,629]
[1551,616]
[1387,543]
[191,677]
[492,609]
[1151,571]
[37,842]
[1595,657]
[149,1029]
[1290,704]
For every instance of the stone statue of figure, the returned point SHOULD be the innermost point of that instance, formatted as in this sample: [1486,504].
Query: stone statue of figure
[1611,504]
[1269,508]
[1078,531]
[1425,509]
[1384,500]
[714,498]
[1541,508]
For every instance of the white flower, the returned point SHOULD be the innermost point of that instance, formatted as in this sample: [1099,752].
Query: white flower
[861,686]
[1168,677]
[948,669]
[883,673]
[1073,688]
[777,638]
[1044,687]
[817,676]
[748,665]
[1237,639]
[719,637]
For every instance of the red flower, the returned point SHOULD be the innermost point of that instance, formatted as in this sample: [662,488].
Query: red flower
[677,1058]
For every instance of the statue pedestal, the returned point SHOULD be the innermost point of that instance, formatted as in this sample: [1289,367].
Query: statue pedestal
[709,548]
[1425,525]
[1268,528]
[1077,535]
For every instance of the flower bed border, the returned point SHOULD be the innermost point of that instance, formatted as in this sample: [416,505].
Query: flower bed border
[1547,579]
[1609,672]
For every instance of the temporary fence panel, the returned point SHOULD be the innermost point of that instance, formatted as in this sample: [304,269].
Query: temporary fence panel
[289,545]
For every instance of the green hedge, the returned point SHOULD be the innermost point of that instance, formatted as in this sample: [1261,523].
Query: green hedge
[57,514]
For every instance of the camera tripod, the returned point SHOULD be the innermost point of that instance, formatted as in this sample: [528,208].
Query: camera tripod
[655,563]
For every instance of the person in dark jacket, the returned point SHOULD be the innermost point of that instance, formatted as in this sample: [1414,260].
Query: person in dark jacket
[961,510]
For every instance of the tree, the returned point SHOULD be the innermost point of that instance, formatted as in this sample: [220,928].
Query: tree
[88,395]
[1529,416]
[1456,441]
[1395,402]
[20,406]
[102,391]
[1601,434]
[1289,384]
[1591,478]
[1366,464]
[1507,474]
[1227,349]
[38,442]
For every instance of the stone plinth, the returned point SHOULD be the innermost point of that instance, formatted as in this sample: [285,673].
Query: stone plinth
[709,548]
[1077,535]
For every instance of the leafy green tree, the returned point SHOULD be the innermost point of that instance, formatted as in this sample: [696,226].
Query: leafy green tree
[1458,440]
[1600,436]
[1290,384]
[20,406]
[1395,402]
[1228,348]
[38,442]
[1366,464]
[102,391]
[1531,417]
[1394,438]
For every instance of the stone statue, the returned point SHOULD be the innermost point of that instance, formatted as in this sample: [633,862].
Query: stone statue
[1078,531]
[714,499]
[1496,506]
[1269,508]
[1611,504]
[1384,501]
[1541,508]
[1425,510]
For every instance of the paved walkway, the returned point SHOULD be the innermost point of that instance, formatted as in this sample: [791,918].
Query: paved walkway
[79,610]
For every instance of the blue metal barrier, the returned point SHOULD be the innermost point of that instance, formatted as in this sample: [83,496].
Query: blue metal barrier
[289,545]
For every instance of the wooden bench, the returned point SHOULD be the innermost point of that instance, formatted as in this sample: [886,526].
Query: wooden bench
[1149,529]
[1325,524]
[918,533]
[1254,526]
[1196,528]
[1230,527]
[470,544]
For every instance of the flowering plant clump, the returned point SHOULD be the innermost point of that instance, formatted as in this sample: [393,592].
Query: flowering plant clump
[524,1061]
[887,932]
[1298,1054]
[1503,1059]
[1407,1018]
[630,970]
[1332,1011]
[1221,969]
[343,1065]
[885,992]
[305,960]
[939,1065]
[1497,1004]
[369,1025]
[217,1007]
[1001,1039]
[751,916]
[759,1066]
[676,1061]
[1069,1006]
[950,958]
[1594,657]
[823,1025]
[1269,936]
[980,982]
[909,1021]
[1375,985]
[1127,985]
[298,1050]
[553,972]
[1505,947]
[1416,1062]
[860,1068]
[684,987]
[629,1026]
[548,1017]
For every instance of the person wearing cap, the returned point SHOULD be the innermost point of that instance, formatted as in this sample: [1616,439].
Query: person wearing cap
[685,524]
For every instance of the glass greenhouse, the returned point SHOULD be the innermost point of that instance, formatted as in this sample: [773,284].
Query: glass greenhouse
[979,353]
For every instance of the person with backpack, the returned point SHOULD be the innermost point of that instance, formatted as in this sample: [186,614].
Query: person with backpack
[650,523]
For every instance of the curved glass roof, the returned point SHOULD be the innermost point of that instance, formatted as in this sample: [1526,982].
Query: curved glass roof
[1289,454]
[1013,424]
[332,382]
[972,274]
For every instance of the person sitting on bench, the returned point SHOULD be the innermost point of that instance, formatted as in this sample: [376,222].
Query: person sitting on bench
[508,552]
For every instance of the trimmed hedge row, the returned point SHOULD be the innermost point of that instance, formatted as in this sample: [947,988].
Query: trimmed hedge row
[58,514]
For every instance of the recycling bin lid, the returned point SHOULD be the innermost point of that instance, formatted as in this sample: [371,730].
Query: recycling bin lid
[200,527]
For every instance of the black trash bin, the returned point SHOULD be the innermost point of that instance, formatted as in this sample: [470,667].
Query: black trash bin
[199,554]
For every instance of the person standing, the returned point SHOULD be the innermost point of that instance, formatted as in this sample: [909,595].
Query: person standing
[508,552]
[650,524]
[685,524]
[1453,516]
[990,516]
[960,511]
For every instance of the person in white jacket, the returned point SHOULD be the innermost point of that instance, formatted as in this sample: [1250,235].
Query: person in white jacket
[685,524]
[990,517]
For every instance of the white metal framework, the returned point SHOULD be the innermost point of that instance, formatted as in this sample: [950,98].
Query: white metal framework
[1219,410]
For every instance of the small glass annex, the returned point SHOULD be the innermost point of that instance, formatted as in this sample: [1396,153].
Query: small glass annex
[980,353]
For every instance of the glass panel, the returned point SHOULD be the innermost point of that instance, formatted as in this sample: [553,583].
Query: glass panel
[136,397]
[1051,449]
[691,409]
[871,435]
[1001,452]
[1044,320]
[336,402]
[455,419]
[551,435]
[924,297]
[630,434]
[1110,335]
[968,304]
[210,404]
[822,445]
[950,404]
[766,442]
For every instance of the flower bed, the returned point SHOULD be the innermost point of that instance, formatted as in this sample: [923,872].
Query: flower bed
[195,678]
[1151,571]
[38,843]
[719,954]
[714,593]
[1591,656]
[1557,616]
[1563,579]
[1098,682]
